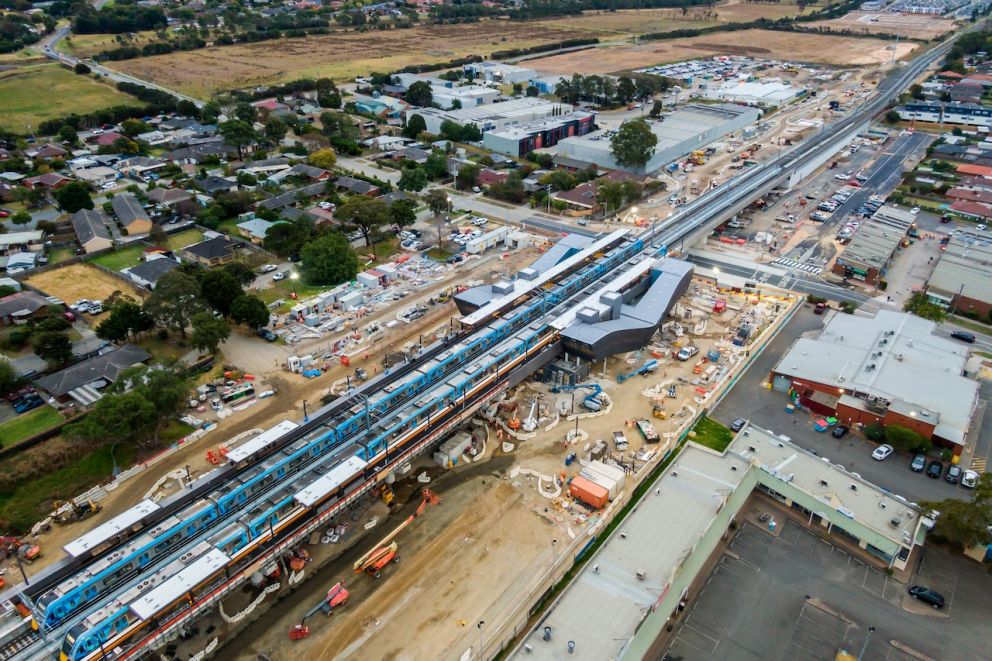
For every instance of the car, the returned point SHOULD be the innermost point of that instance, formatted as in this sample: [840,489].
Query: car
[279,276]
[415,233]
[820,308]
[479,222]
[738,424]
[476,189]
[914,210]
[4,213]
[268,268]
[108,185]
[882,452]
[685,353]
[927,596]
[964,336]
[267,335]
[969,479]
[919,463]
[981,226]
[953,474]
[840,431]
[935,469]
[327,206]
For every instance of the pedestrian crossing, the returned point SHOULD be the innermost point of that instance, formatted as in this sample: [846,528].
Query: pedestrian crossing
[799,266]
[978,464]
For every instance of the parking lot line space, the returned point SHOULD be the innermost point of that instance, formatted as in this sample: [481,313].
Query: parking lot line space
[696,639]
[790,533]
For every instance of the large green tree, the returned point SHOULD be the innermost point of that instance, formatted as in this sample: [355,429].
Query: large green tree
[286,238]
[239,134]
[52,346]
[126,320]
[414,127]
[403,213]
[633,144]
[963,524]
[117,418]
[329,260]
[177,297]
[73,196]
[920,305]
[368,214]
[250,310]
[208,331]
[419,94]
[8,376]
[413,179]
[220,289]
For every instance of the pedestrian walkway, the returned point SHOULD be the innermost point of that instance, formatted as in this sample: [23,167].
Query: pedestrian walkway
[799,266]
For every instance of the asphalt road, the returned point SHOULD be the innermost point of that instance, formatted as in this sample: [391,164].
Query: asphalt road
[766,409]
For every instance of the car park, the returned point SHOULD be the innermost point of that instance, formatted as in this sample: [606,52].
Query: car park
[935,469]
[927,596]
[919,463]
[882,452]
[953,474]
[964,336]
[969,479]
[738,424]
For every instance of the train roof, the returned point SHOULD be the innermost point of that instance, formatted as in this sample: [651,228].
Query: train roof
[169,591]
[330,481]
[111,528]
[262,441]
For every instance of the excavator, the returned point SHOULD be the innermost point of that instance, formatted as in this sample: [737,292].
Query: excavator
[644,369]
[12,546]
[70,511]
[373,562]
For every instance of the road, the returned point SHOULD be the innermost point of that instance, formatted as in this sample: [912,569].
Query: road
[766,408]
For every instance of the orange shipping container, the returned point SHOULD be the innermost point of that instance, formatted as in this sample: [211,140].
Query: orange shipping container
[588,492]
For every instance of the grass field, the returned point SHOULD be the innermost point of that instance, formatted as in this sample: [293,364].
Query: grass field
[87,45]
[28,424]
[185,238]
[30,95]
[121,259]
[59,255]
[712,434]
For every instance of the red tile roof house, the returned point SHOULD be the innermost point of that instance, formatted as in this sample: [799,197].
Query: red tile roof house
[582,197]
[107,139]
[983,196]
[973,209]
[50,180]
[983,171]
[489,177]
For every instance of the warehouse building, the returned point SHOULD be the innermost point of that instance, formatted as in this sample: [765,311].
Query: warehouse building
[967,114]
[962,279]
[622,599]
[765,94]
[683,131]
[522,139]
[500,72]
[868,254]
[492,116]
[887,369]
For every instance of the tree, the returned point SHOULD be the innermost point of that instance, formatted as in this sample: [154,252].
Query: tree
[329,260]
[632,191]
[413,179]
[610,195]
[21,218]
[81,69]
[414,127]
[250,311]
[963,524]
[52,346]
[468,176]
[208,331]
[920,305]
[626,89]
[117,418]
[187,108]
[892,117]
[286,238]
[74,196]
[177,297]
[323,158]
[403,213]
[8,377]
[68,134]
[656,109]
[126,319]
[162,385]
[419,94]
[436,165]
[239,133]
[532,91]
[132,127]
[633,144]
[905,439]
[365,213]
[437,202]
[220,289]
[241,272]
[559,180]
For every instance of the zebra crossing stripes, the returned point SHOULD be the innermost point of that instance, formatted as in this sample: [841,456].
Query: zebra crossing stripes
[799,266]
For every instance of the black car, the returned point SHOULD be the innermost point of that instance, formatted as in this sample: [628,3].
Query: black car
[840,431]
[935,469]
[964,336]
[267,335]
[927,596]
[954,474]
[738,424]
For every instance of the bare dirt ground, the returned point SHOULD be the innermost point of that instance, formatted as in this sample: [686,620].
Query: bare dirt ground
[789,46]
[76,281]
[341,55]
[914,26]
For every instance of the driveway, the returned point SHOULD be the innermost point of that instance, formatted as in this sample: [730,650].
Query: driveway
[766,408]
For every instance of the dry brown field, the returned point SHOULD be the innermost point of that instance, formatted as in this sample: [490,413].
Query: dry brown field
[76,281]
[913,26]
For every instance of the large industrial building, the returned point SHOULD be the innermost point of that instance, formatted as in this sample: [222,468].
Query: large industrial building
[691,128]
[947,113]
[766,94]
[519,140]
[492,116]
[887,369]
[623,598]
[869,253]
[500,72]
[962,279]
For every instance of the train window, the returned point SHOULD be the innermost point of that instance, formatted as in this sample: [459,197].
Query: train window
[167,543]
[143,558]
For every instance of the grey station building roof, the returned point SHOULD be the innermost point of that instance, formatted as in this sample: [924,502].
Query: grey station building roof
[637,576]
[964,268]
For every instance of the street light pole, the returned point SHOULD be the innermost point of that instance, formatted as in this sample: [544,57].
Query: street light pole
[864,647]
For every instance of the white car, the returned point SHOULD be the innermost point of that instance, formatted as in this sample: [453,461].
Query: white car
[914,210]
[479,222]
[326,206]
[278,276]
[268,268]
[882,452]
[969,479]
[108,185]
[981,226]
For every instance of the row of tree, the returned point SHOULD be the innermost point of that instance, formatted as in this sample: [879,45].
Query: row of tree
[603,91]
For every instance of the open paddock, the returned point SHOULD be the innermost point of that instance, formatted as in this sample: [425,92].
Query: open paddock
[912,26]
[76,281]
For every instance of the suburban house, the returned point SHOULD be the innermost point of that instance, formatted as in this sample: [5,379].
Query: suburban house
[91,229]
[254,229]
[131,214]
[212,185]
[21,306]
[302,170]
[266,166]
[273,107]
[140,166]
[290,198]
[488,177]
[357,186]
[212,252]
[85,382]
[582,197]
[17,242]
[147,273]
[97,176]
[49,180]
[106,139]
[47,151]
[178,200]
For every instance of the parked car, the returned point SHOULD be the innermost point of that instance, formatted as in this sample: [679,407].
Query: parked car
[927,596]
[969,479]
[935,469]
[953,474]
[964,336]
[479,222]
[919,463]
[279,276]
[882,452]
[840,431]
[267,335]
[268,268]
[685,353]
[820,308]
[738,424]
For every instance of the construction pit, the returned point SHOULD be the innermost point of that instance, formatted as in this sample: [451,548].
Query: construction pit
[505,526]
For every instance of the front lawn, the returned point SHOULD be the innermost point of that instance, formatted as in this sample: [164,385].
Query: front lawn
[28,424]
[185,238]
[121,259]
